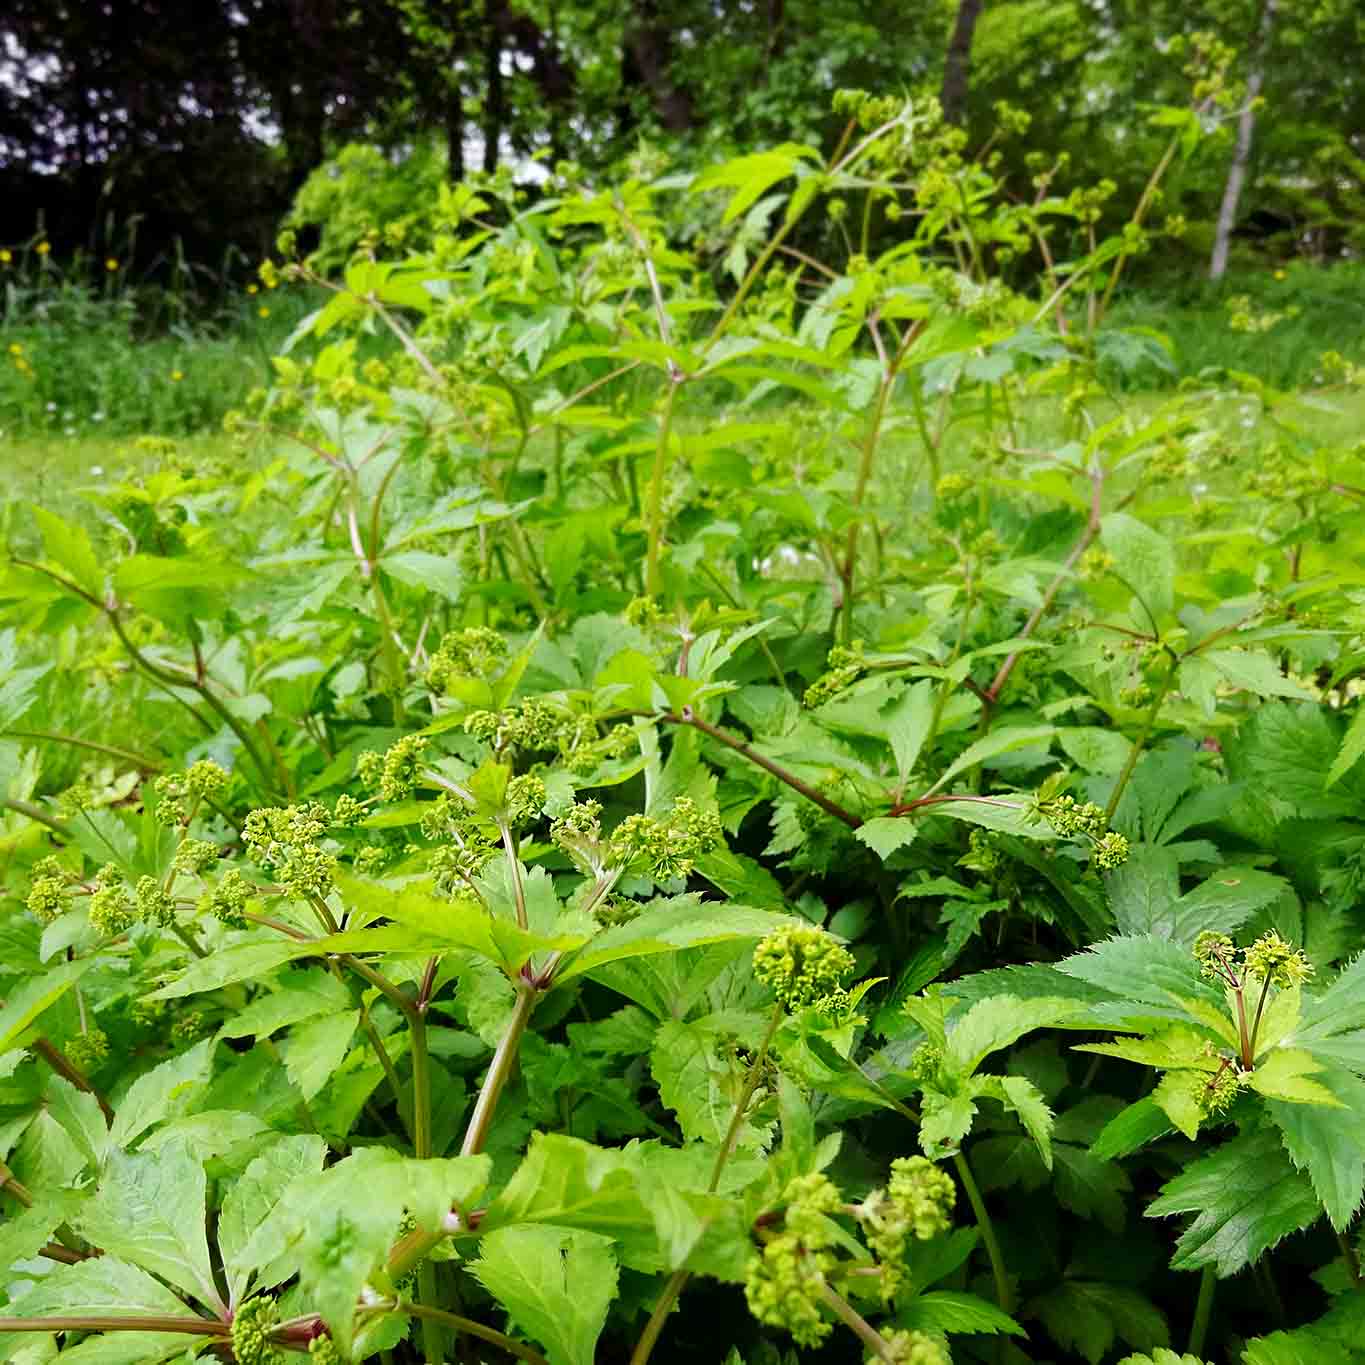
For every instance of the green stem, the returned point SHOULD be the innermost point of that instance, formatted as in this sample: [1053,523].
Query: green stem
[499,1069]
[1348,1253]
[654,516]
[421,1086]
[649,1338]
[433,1338]
[668,1296]
[199,1327]
[1248,1058]
[69,1072]
[186,936]
[475,1329]
[1139,744]
[859,1325]
[390,1072]
[509,844]
[1203,1308]
[1260,1009]
[36,813]
[153,765]
[1003,1297]
[751,1081]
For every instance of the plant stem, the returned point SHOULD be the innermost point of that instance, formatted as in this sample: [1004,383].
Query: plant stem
[746,1094]
[663,1306]
[862,1329]
[1248,1060]
[433,1339]
[475,1329]
[68,1071]
[1256,1021]
[36,813]
[499,1069]
[1139,744]
[509,844]
[199,1327]
[1003,1297]
[152,765]
[654,514]
[421,1086]
[782,775]
[15,1188]
[1203,1307]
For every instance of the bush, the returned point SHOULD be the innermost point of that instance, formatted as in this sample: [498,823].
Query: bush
[797,803]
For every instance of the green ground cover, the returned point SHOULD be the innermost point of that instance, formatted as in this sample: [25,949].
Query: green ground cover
[645,822]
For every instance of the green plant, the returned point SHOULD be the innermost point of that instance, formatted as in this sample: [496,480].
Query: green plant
[621,806]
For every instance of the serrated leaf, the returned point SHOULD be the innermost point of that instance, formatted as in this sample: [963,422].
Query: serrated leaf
[1145,558]
[256,1192]
[696,1083]
[574,1184]
[1003,739]
[164,1092]
[1177,1095]
[1134,1127]
[944,1121]
[885,835]
[439,574]
[1329,1144]
[555,1283]
[24,1235]
[942,1310]
[316,1049]
[1351,751]
[80,1114]
[665,926]
[908,726]
[149,1210]
[1246,1196]
[1088,1316]
[68,546]
[1089,1187]
[997,1022]
[32,999]
[1285,1073]
[100,1286]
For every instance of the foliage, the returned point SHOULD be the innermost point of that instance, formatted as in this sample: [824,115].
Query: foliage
[651,794]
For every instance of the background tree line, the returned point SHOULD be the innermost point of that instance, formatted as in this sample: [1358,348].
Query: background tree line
[197,124]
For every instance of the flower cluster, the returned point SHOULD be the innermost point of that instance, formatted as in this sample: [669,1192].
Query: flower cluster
[180,793]
[194,857]
[285,838]
[324,1351]
[154,905]
[783,1283]
[801,964]
[473,653]
[111,908]
[1269,959]
[534,725]
[48,896]
[393,773]
[88,1050]
[913,1348]
[664,848]
[843,668]
[917,1202]
[227,901]
[251,1328]
[1074,820]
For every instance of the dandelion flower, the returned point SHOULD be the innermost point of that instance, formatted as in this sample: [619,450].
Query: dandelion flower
[15,348]
[177,376]
[43,248]
[6,255]
[253,289]
[263,311]
[1279,274]
[110,264]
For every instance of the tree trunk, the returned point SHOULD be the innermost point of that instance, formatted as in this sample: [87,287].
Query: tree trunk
[1241,155]
[648,47]
[957,67]
[495,112]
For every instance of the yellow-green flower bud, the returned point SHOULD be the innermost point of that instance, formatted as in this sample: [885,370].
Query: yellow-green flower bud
[800,964]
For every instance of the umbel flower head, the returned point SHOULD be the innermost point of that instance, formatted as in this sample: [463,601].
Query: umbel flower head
[913,1348]
[801,964]
[783,1282]
[1270,959]
[917,1202]
[251,1326]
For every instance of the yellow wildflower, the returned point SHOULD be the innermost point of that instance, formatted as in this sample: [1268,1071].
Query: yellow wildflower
[253,288]
[111,264]
[15,348]
[6,255]
[1279,274]
[263,312]
[177,376]
[43,248]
